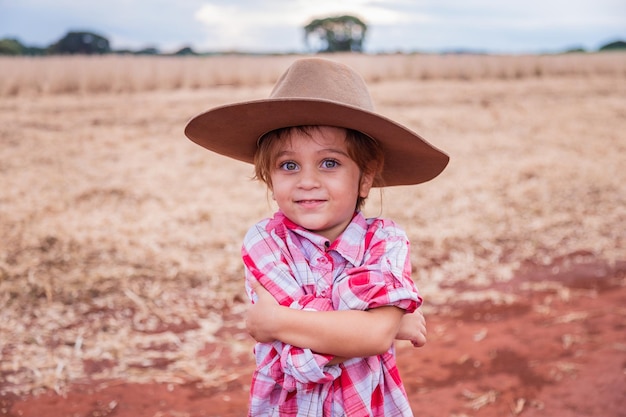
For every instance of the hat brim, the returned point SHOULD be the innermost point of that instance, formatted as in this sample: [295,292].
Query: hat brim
[233,130]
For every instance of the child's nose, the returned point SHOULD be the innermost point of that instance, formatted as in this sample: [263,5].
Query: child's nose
[309,178]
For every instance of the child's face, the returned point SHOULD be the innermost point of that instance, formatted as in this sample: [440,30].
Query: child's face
[315,183]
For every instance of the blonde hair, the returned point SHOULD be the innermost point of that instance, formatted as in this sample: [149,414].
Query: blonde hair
[362,149]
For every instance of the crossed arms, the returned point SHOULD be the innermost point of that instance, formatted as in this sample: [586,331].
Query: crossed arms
[341,333]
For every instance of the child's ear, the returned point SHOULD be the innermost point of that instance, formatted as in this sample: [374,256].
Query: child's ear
[367,180]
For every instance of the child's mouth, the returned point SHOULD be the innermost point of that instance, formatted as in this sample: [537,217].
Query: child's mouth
[310,202]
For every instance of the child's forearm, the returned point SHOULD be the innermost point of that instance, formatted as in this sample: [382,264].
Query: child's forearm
[345,333]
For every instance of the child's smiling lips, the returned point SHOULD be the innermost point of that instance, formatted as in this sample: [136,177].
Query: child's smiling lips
[310,202]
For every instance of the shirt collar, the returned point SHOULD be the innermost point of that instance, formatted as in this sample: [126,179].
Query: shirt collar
[350,244]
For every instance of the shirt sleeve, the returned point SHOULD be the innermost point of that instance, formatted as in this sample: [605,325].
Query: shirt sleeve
[384,277]
[267,260]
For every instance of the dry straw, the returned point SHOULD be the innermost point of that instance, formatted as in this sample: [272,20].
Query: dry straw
[122,74]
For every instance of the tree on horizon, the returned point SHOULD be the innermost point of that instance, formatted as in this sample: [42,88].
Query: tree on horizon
[87,43]
[336,34]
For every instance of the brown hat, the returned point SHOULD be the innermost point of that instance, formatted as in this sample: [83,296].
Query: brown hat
[317,91]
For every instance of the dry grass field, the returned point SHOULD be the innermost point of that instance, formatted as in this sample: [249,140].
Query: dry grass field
[119,250]
[129,74]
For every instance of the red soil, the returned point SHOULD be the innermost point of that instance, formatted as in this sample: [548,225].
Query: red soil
[558,351]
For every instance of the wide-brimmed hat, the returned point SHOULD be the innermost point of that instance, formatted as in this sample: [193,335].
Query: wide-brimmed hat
[316,91]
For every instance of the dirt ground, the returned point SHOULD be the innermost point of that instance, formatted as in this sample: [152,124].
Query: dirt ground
[558,351]
[120,274]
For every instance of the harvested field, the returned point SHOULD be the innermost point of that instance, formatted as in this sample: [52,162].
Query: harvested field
[120,277]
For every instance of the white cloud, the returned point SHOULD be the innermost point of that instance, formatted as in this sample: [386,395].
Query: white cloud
[276,25]
[230,26]
[370,12]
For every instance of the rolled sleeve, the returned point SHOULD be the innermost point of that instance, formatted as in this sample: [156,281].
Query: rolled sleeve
[384,277]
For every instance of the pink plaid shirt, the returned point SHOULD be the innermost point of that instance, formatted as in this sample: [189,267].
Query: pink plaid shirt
[368,266]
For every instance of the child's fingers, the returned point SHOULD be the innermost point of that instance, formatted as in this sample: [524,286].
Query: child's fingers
[419,338]
[255,285]
[262,294]
[252,282]
[419,341]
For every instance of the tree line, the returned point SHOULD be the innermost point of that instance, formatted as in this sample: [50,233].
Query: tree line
[330,34]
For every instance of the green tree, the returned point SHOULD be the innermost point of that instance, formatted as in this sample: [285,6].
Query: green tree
[336,34]
[612,46]
[81,43]
[11,47]
[150,50]
[187,50]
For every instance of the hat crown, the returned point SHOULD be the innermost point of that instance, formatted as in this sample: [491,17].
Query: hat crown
[320,79]
[315,91]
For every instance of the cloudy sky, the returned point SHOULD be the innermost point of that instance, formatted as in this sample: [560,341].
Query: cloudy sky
[513,26]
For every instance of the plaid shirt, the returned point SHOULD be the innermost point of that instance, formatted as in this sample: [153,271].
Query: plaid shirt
[368,266]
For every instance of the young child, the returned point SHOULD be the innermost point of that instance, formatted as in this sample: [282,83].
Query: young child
[331,289]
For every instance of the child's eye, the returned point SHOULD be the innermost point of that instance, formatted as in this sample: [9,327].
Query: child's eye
[330,163]
[289,166]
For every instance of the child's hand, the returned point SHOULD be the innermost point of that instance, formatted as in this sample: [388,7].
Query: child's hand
[413,328]
[261,315]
